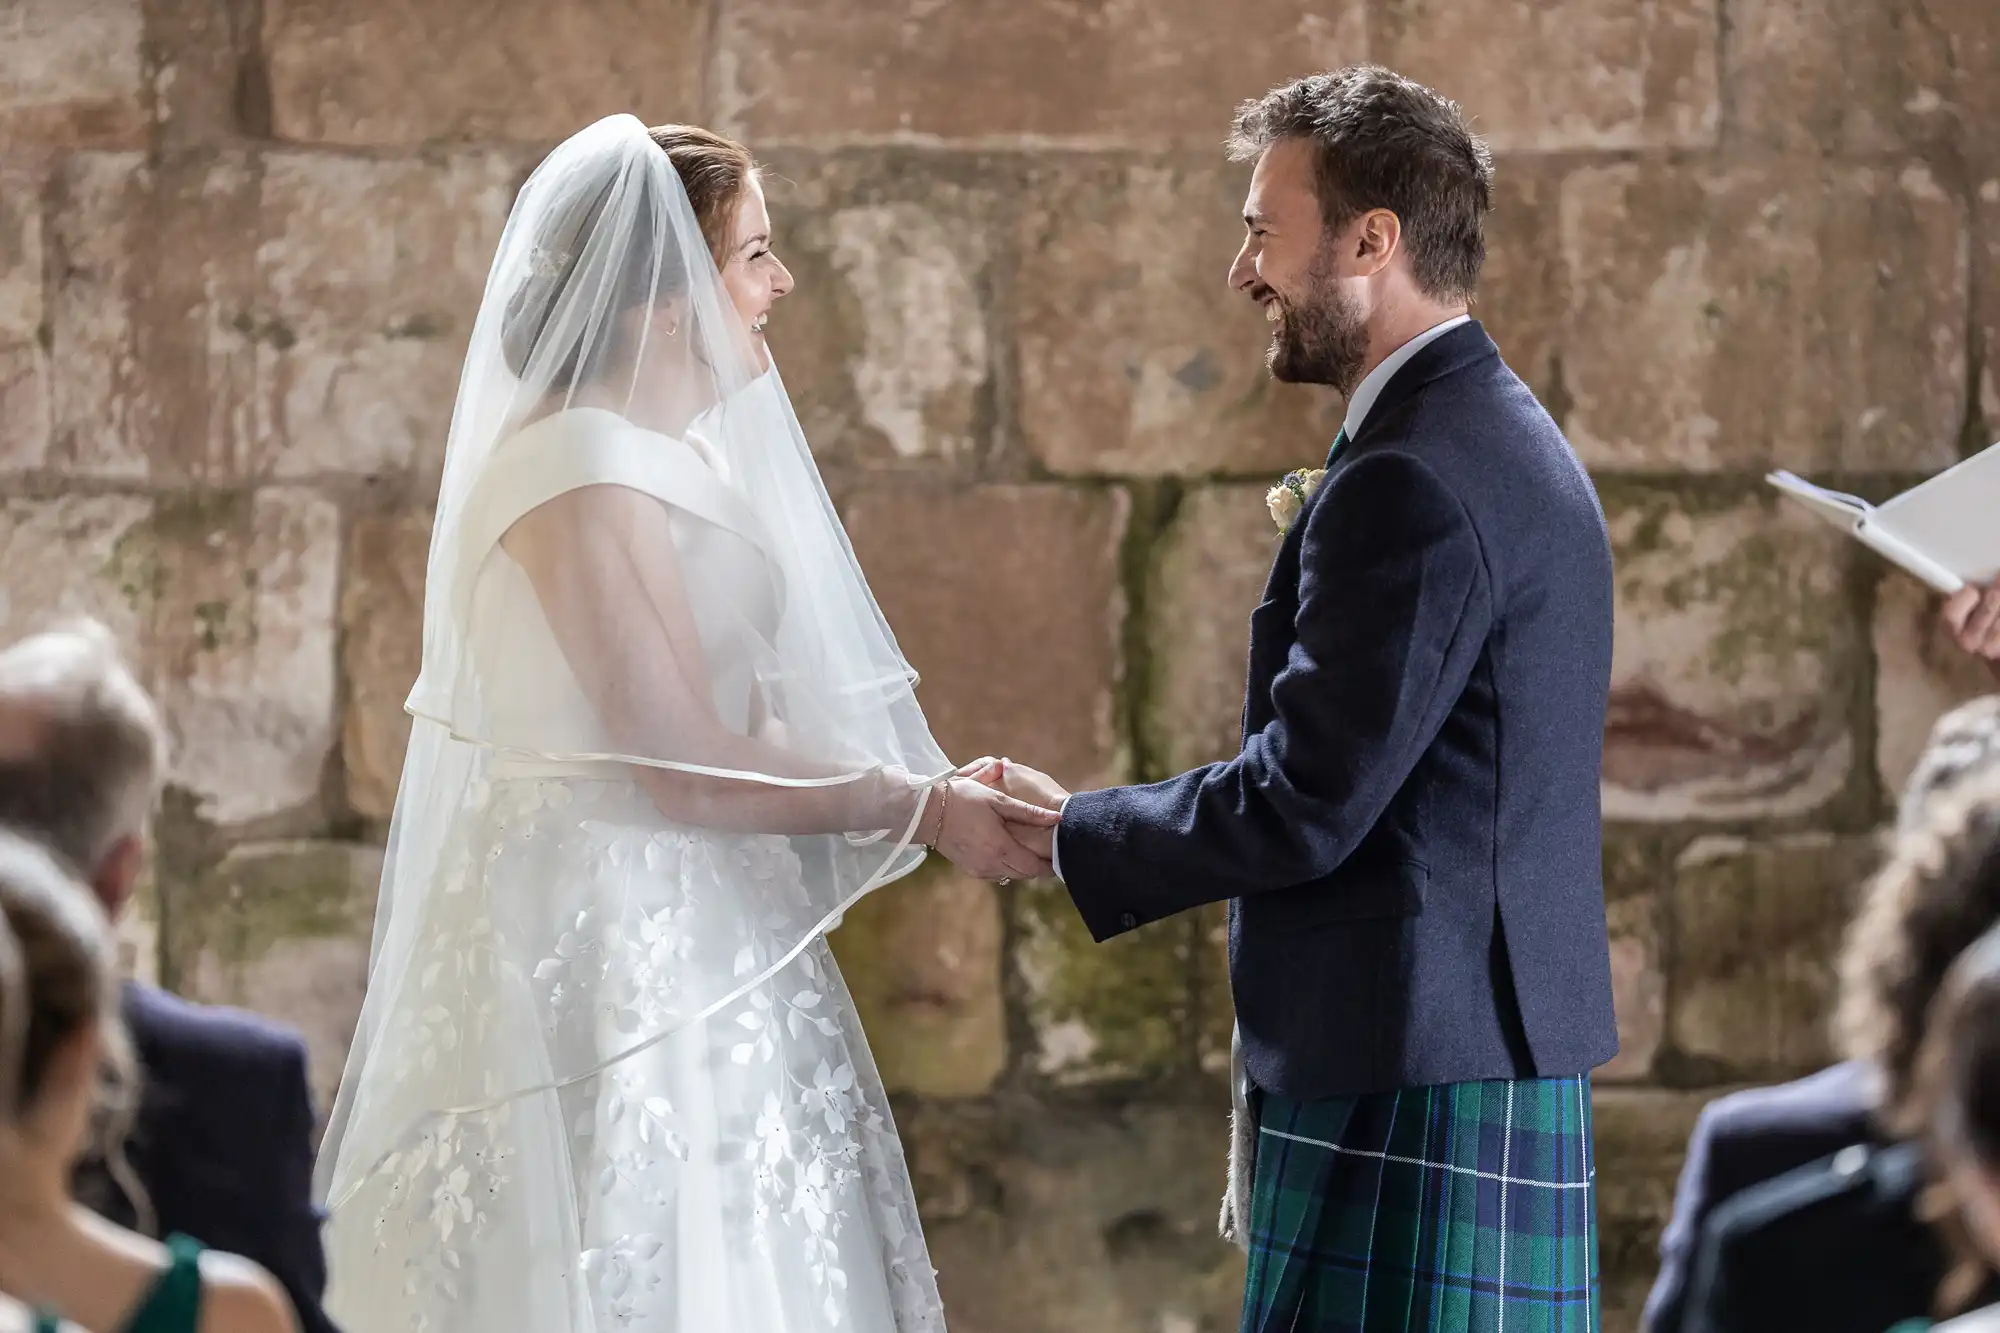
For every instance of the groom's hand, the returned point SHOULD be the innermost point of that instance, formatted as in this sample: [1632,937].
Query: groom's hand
[1028,785]
[989,833]
[1018,781]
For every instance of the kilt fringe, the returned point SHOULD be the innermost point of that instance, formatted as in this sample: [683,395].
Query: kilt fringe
[1235,1223]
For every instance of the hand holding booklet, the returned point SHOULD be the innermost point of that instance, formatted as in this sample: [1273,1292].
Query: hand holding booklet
[1945,531]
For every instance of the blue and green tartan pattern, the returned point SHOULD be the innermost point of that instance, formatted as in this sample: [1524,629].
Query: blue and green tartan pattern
[1468,1206]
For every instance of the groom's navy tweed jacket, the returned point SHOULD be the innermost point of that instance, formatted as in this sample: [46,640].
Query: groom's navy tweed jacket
[1409,840]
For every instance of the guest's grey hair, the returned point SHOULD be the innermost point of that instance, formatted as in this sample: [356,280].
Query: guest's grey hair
[81,744]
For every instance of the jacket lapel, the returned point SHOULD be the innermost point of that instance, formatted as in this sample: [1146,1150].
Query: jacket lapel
[1451,352]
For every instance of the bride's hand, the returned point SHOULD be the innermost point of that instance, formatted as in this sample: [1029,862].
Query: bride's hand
[1017,780]
[982,831]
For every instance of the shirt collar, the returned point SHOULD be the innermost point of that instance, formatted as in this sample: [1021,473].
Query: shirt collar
[1371,388]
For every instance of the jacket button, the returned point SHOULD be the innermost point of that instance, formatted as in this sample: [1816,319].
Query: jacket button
[1128,921]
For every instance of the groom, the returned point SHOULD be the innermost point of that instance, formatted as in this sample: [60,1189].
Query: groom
[1409,838]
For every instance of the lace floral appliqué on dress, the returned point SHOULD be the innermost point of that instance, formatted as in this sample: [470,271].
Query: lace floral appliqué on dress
[744,1170]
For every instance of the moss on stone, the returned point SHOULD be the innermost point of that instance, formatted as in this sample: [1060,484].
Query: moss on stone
[134,567]
[270,330]
[262,895]
[1151,526]
[921,958]
[194,515]
[418,327]
[1124,1010]
[211,621]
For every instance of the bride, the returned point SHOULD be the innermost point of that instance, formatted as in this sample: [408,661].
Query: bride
[607,1074]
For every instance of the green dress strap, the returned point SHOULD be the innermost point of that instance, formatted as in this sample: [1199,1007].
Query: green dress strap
[173,1305]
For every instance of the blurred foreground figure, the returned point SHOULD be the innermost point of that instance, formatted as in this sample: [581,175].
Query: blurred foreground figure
[1956,1107]
[59,1036]
[1843,1244]
[221,1149]
[1757,1135]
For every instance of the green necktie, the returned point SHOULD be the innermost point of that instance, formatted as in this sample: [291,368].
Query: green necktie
[1339,443]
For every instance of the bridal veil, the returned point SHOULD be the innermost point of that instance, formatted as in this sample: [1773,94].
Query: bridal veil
[746,678]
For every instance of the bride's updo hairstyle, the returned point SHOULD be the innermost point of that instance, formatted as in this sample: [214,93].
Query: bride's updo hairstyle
[713,169]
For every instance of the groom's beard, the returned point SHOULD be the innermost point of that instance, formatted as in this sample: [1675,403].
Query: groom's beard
[1324,341]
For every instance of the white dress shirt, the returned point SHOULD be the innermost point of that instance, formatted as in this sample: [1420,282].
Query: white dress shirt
[1358,407]
[1363,401]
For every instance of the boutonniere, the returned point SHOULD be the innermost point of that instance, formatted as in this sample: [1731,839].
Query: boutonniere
[1287,500]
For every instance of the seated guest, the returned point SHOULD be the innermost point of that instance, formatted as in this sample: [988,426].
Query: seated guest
[1957,1104]
[222,1144]
[1840,1246]
[1760,1134]
[58,1031]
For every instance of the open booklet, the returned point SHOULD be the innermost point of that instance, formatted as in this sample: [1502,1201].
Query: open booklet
[1945,531]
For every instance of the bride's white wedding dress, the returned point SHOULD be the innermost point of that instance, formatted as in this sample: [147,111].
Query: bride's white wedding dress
[607,1075]
[741,1174]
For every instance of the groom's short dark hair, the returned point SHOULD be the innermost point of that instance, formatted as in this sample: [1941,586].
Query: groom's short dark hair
[1383,141]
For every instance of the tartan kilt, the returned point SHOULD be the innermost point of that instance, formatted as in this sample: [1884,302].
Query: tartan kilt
[1467,1206]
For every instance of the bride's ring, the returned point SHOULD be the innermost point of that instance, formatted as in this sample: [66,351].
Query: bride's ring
[1004,882]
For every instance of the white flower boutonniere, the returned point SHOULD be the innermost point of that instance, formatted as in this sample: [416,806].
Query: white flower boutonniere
[1287,500]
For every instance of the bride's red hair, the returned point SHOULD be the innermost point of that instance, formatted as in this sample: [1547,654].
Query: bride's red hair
[715,171]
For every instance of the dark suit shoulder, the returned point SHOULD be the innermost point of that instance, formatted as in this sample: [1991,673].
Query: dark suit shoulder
[1840,1094]
[1388,502]
[1490,442]
[1743,1140]
[1858,1179]
[1835,1246]
[1399,477]
[173,1033]
[1474,408]
[223,1143]
[1790,1124]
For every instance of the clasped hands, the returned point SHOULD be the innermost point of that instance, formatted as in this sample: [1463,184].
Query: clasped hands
[997,820]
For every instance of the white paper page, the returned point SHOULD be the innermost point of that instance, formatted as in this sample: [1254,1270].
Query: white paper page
[1883,542]
[1953,519]
[1843,511]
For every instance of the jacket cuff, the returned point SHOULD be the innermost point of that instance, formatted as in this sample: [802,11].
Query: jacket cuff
[1089,852]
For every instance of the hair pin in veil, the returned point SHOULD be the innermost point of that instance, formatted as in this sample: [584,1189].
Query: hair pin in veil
[546,264]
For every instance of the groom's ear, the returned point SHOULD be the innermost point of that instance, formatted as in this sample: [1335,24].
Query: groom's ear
[1373,241]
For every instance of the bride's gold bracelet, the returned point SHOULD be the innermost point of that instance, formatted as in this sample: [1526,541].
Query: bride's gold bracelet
[944,799]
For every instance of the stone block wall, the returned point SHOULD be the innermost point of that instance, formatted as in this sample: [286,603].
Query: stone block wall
[242,241]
